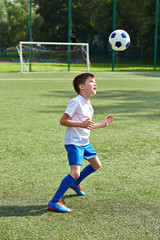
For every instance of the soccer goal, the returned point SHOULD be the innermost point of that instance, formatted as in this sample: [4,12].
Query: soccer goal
[53,56]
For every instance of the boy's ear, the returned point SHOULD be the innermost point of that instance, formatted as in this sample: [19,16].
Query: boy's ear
[81,86]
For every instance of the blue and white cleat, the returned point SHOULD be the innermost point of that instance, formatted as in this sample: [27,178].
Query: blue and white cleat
[58,207]
[77,189]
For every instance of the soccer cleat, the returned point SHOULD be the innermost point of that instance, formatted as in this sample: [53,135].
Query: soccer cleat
[58,207]
[77,189]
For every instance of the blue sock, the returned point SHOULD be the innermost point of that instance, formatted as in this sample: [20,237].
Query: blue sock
[85,173]
[65,184]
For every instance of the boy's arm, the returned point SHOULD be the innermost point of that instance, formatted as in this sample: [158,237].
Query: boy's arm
[105,123]
[65,121]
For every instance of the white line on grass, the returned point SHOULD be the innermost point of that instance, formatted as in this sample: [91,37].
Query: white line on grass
[65,79]
[33,79]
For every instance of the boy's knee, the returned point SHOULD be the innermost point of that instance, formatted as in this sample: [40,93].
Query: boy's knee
[98,165]
[95,163]
[75,175]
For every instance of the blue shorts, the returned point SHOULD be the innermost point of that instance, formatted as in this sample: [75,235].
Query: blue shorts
[77,153]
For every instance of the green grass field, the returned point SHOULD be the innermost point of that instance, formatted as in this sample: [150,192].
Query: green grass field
[99,67]
[122,199]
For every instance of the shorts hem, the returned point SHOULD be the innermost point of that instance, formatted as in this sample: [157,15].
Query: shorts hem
[76,153]
[79,164]
[90,157]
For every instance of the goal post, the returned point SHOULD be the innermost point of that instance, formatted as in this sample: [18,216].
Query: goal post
[46,56]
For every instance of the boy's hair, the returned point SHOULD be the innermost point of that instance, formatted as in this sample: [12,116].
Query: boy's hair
[81,79]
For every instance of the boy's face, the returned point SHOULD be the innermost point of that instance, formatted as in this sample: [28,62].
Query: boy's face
[89,87]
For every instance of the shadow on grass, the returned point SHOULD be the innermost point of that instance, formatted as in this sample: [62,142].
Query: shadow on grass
[32,210]
[153,74]
[69,196]
[141,104]
[22,211]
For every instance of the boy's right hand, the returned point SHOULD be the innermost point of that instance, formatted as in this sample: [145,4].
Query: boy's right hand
[88,124]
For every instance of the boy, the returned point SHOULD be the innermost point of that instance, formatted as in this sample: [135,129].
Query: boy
[77,119]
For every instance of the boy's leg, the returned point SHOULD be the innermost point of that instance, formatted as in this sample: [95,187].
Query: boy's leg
[64,186]
[55,204]
[66,183]
[89,169]
[75,171]
[95,163]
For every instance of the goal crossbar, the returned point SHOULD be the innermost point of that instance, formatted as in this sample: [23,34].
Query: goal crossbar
[53,43]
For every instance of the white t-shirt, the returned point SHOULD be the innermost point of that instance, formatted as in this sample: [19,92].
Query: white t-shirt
[79,110]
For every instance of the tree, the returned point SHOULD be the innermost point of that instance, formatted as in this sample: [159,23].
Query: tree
[138,18]
[54,23]
[3,23]
[15,25]
[86,18]
[3,12]
[89,18]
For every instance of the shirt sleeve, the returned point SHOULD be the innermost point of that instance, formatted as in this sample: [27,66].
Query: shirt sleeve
[72,107]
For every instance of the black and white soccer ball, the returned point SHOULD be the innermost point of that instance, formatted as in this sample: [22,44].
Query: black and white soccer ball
[119,40]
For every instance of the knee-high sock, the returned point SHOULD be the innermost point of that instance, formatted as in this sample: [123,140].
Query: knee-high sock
[65,184]
[85,173]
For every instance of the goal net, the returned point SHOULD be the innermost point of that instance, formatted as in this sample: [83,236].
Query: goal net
[53,56]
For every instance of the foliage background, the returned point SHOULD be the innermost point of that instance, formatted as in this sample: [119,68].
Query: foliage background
[92,22]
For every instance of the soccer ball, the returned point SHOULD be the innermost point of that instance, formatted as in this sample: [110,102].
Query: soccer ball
[119,40]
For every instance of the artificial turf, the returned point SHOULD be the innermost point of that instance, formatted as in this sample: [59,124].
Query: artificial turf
[122,199]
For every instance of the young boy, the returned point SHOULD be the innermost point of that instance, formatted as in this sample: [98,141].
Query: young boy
[77,119]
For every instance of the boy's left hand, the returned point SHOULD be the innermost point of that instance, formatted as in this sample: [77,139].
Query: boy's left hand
[108,120]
